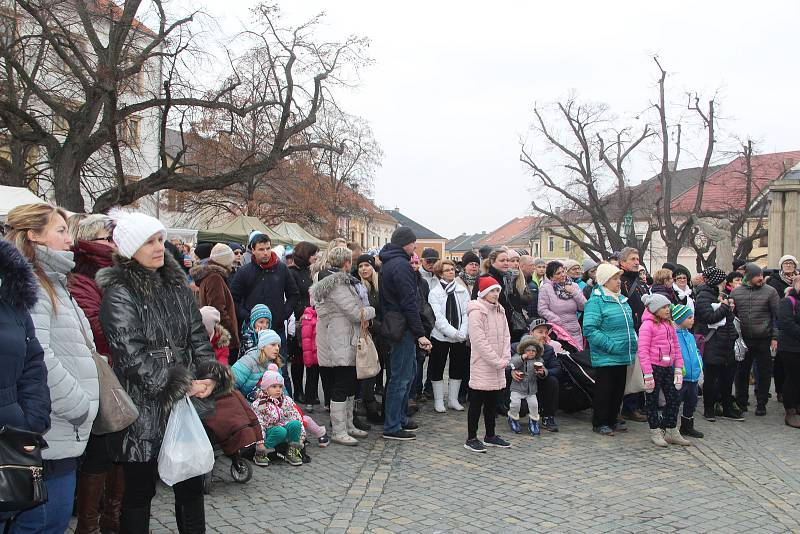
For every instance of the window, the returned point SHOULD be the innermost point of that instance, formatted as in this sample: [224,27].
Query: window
[639,239]
[551,244]
[536,250]
[763,241]
[129,179]
[130,131]
[567,245]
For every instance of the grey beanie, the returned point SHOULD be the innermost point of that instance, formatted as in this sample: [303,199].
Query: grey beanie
[588,264]
[539,261]
[751,270]
[403,236]
[655,302]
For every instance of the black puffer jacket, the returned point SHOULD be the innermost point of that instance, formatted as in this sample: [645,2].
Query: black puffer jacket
[719,347]
[757,309]
[158,344]
[304,281]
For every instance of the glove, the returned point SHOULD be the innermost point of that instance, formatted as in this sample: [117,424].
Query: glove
[649,383]
[678,381]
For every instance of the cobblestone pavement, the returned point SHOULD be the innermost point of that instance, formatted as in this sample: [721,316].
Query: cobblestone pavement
[744,476]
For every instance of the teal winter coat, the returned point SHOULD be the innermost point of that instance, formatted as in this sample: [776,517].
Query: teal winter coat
[608,328]
[247,372]
[692,361]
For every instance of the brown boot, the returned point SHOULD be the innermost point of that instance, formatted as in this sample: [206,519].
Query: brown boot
[792,418]
[115,488]
[90,489]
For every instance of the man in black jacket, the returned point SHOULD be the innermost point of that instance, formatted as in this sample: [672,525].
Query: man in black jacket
[400,305]
[265,280]
[632,288]
[757,310]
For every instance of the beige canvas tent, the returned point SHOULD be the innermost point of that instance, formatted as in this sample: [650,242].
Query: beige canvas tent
[237,231]
[297,233]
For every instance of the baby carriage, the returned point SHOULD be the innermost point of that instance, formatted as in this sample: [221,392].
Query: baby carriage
[233,430]
[577,379]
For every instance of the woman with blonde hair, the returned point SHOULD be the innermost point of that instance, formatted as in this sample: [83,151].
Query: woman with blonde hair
[40,232]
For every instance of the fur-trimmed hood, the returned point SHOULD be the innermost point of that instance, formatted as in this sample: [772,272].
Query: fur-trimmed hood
[323,288]
[198,272]
[130,273]
[222,336]
[17,282]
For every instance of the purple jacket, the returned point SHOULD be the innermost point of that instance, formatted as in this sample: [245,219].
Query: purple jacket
[562,312]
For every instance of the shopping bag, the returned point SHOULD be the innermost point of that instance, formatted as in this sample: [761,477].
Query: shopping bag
[185,451]
[634,383]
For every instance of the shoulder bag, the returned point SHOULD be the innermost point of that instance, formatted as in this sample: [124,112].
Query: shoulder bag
[367,363]
[21,478]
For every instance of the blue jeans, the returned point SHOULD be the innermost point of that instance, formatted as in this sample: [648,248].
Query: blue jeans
[402,362]
[53,516]
[688,395]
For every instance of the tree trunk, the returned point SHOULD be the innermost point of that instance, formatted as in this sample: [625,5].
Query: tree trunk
[66,168]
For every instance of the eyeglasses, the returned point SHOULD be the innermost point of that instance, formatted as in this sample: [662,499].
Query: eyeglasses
[237,252]
[108,238]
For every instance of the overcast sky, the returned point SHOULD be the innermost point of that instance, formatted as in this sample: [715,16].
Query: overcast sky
[453,84]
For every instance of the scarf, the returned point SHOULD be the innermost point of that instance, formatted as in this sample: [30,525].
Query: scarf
[272,262]
[561,291]
[612,294]
[451,311]
[468,280]
[788,279]
[682,293]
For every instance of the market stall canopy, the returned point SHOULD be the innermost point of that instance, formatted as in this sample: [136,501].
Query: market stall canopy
[297,233]
[237,231]
[11,197]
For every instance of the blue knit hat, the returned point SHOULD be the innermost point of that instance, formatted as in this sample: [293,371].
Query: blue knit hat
[268,337]
[259,311]
[680,312]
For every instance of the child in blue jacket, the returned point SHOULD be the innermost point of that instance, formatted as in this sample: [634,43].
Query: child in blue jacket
[683,316]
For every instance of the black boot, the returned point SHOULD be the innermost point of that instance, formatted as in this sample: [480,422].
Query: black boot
[191,516]
[360,424]
[374,413]
[135,520]
[687,428]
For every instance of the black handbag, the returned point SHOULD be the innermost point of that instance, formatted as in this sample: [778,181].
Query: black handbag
[393,326]
[21,475]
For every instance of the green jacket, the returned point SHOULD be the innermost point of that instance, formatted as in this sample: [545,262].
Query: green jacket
[608,328]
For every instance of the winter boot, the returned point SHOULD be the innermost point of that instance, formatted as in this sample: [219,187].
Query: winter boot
[452,398]
[137,520]
[687,428]
[671,435]
[438,396]
[339,414]
[115,488]
[191,516]
[90,489]
[352,429]
[657,437]
[374,413]
[533,427]
[792,419]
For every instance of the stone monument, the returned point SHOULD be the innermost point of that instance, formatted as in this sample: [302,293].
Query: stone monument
[784,216]
[719,234]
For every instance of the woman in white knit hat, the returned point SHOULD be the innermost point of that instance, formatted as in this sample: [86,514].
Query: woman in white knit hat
[161,353]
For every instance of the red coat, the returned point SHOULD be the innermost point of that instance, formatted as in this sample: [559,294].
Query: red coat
[211,280]
[220,343]
[90,257]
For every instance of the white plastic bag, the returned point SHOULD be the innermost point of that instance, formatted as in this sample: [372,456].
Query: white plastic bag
[185,450]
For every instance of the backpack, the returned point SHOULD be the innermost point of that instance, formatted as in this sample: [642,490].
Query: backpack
[309,336]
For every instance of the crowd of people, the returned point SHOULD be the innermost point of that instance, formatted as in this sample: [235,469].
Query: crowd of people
[274,325]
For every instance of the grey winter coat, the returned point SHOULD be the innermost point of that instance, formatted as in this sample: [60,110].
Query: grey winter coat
[529,384]
[158,345]
[338,319]
[757,309]
[71,371]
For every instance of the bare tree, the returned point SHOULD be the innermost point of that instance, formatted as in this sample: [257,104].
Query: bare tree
[592,198]
[74,72]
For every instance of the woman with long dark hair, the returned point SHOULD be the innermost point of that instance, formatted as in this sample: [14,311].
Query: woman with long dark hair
[304,256]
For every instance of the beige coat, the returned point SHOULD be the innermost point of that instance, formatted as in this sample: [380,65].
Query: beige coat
[338,319]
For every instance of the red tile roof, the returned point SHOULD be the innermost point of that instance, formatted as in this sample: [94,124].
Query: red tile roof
[725,189]
[512,228]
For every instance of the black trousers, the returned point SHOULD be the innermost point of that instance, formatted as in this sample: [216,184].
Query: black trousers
[547,395]
[140,488]
[664,378]
[718,385]
[791,383]
[608,392]
[312,385]
[326,376]
[344,383]
[459,360]
[758,350]
[778,373]
[96,458]
[481,400]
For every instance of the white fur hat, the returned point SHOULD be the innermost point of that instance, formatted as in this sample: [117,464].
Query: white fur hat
[133,230]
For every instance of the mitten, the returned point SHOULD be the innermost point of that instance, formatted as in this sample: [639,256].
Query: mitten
[649,383]
[678,381]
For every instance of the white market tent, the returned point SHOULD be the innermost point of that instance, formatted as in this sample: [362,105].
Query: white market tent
[297,233]
[11,197]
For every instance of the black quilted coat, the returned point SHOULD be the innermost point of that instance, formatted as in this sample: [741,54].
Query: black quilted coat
[158,345]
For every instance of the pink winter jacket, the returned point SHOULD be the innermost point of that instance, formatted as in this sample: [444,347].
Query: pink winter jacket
[490,345]
[658,344]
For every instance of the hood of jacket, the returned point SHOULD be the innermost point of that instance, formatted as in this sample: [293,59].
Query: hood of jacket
[130,273]
[323,288]
[56,264]
[484,306]
[90,257]
[18,284]
[198,272]
[391,252]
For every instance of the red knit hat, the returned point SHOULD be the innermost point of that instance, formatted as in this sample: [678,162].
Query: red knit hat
[486,284]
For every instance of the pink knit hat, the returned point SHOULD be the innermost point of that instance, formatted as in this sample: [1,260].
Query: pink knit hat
[271,377]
